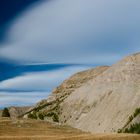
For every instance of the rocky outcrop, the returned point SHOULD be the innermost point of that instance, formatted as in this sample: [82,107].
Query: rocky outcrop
[105,103]
[50,108]
[97,100]
[16,112]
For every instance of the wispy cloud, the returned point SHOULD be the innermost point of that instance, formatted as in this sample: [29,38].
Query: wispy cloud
[39,81]
[32,87]
[81,31]
[22,98]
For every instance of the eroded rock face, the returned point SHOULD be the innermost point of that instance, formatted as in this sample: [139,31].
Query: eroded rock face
[97,100]
[51,107]
[105,103]
[16,112]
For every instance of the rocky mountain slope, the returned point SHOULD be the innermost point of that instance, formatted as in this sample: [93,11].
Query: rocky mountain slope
[105,103]
[16,112]
[104,99]
[50,108]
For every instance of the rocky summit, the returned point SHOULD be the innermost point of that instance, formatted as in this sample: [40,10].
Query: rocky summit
[103,99]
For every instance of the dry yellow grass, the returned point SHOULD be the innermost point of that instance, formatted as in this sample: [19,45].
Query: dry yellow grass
[40,130]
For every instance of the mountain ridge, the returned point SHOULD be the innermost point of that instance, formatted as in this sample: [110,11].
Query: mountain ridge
[103,103]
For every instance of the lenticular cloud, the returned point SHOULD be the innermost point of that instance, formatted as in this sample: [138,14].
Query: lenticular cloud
[74,31]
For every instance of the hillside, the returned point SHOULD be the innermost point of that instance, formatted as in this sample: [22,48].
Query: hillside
[48,108]
[103,102]
[16,112]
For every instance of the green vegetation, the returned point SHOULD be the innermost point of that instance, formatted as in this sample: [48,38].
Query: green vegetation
[137,112]
[5,113]
[54,116]
[135,128]
[50,114]
[37,109]
[53,110]
[32,115]
[130,118]
[40,116]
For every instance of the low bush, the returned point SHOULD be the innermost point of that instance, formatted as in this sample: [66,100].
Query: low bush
[32,115]
[135,128]
[54,116]
[40,116]
[137,112]
[5,113]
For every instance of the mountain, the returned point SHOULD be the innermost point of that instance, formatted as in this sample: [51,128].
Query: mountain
[16,112]
[49,107]
[104,99]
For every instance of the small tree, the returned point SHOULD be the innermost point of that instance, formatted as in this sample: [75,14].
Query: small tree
[41,117]
[5,113]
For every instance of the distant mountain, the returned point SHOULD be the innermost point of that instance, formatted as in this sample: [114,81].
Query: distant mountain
[104,99]
[16,112]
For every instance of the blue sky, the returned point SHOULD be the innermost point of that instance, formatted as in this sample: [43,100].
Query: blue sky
[42,42]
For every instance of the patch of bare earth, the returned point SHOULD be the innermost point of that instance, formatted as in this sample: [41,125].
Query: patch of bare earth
[40,130]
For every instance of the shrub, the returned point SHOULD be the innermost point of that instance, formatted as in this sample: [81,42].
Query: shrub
[135,128]
[50,114]
[119,130]
[5,113]
[137,112]
[55,118]
[32,115]
[130,118]
[126,130]
[41,117]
